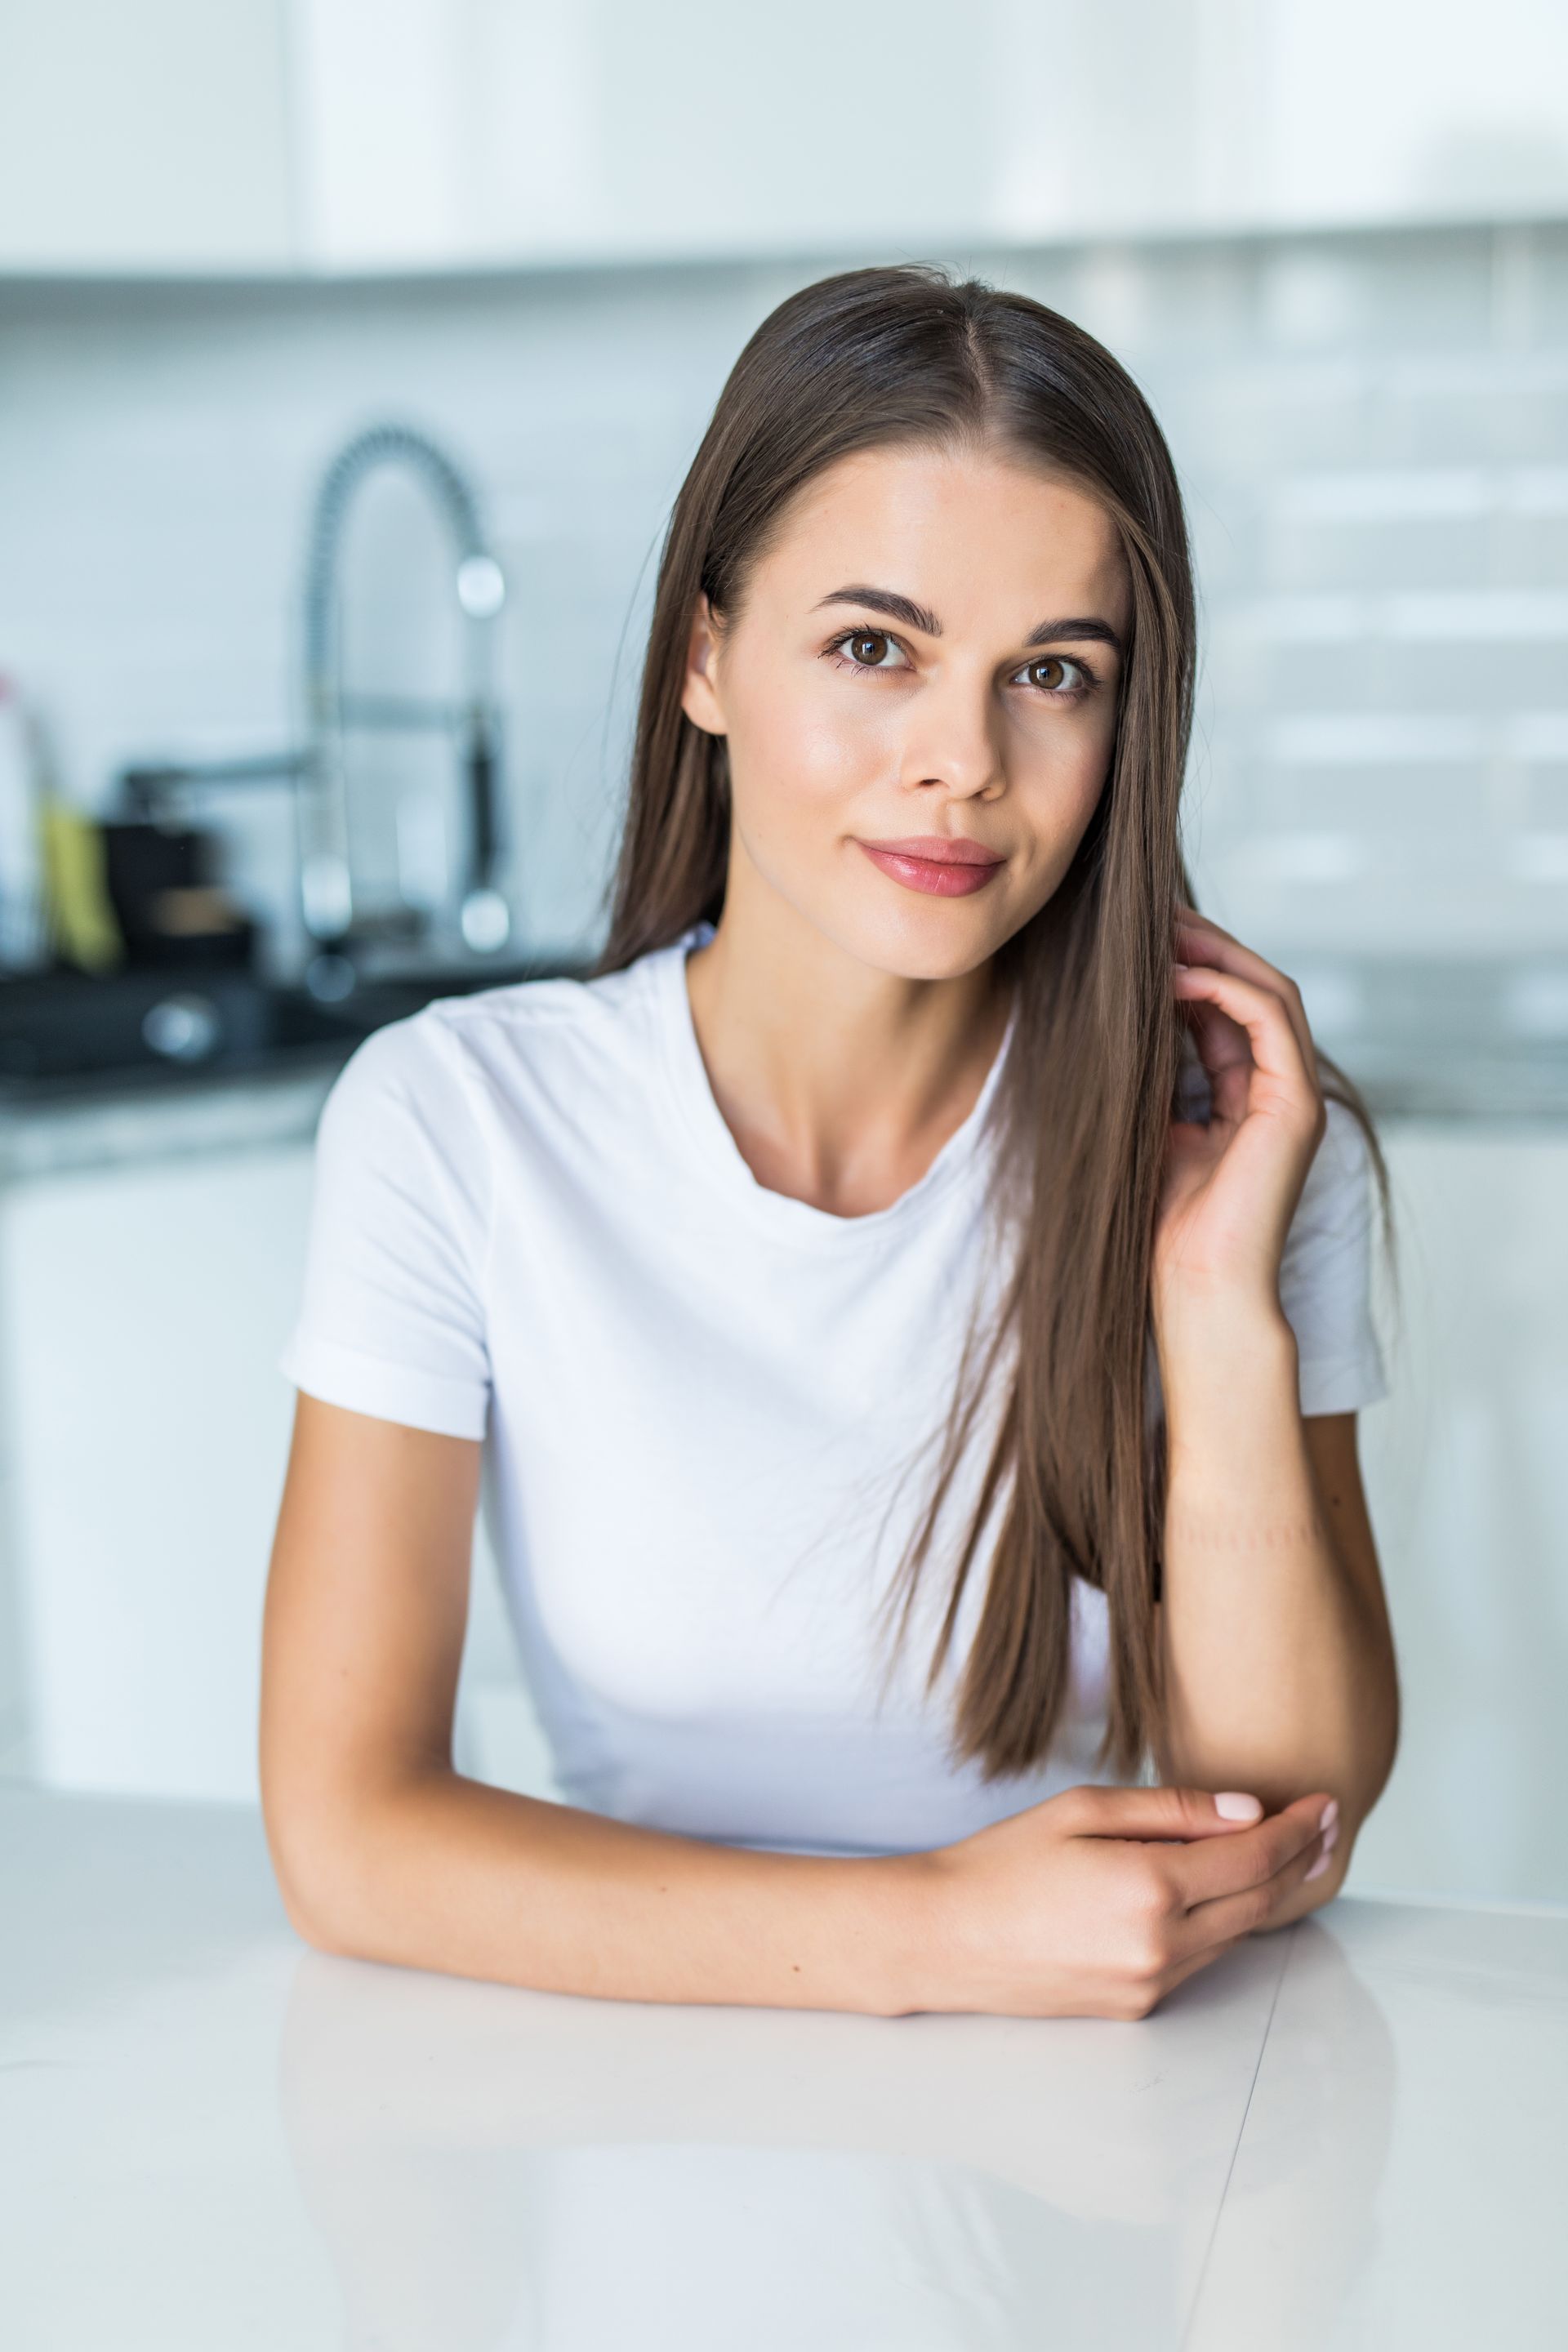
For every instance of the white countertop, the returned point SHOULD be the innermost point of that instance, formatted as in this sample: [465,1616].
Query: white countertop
[129,1127]
[1351,2134]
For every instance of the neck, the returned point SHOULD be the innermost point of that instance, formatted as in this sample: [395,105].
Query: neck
[840,1083]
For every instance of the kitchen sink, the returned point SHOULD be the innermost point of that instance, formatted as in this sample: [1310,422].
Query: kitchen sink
[66,1032]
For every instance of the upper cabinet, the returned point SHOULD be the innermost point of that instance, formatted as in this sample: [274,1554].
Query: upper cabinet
[352,135]
[142,135]
[483,132]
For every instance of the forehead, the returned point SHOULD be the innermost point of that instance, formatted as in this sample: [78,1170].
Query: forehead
[973,533]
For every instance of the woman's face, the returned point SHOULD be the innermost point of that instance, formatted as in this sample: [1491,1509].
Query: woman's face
[919,689]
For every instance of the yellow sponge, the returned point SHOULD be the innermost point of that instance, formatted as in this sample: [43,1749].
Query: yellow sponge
[81,919]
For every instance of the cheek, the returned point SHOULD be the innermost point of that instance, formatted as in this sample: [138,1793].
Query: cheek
[798,749]
[1057,781]
[1054,798]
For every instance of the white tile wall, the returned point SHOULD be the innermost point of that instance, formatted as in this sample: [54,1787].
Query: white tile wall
[1372,430]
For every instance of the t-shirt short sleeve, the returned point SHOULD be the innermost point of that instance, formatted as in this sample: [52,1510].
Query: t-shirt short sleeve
[1325,1275]
[392,1321]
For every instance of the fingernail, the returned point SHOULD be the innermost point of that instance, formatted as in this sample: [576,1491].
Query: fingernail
[1232,1805]
[1330,1815]
[1331,1838]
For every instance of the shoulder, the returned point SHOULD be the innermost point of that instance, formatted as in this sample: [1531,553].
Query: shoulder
[498,1030]
[1326,1273]
[462,1057]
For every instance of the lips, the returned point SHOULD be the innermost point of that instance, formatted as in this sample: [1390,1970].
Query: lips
[941,867]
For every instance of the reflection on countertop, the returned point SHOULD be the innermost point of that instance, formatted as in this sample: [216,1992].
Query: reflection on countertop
[1351,2132]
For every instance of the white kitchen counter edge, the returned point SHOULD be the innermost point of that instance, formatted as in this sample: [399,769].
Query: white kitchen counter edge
[258,1112]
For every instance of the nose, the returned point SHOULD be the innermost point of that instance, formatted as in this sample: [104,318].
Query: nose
[953,742]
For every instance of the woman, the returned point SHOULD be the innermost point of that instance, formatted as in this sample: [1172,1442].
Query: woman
[910,1302]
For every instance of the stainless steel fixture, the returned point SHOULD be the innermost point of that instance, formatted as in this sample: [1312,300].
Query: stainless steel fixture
[337,922]
[326,867]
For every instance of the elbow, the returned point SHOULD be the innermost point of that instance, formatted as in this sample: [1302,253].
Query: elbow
[314,1813]
[1356,1768]
[1358,1786]
[1379,1752]
[1355,1806]
[1378,1710]
[306,1881]
[312,1921]
[336,1859]
[1379,1779]
[311,1848]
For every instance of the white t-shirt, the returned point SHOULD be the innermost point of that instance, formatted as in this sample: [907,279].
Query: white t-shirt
[703,1402]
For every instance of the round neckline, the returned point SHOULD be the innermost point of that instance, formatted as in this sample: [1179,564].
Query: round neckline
[691,1095]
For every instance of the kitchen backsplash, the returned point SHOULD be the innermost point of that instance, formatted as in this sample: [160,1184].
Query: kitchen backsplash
[1372,431]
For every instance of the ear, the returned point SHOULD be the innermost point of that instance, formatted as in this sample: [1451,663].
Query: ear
[699,693]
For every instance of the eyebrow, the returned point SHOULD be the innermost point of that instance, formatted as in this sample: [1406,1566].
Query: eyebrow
[1075,630]
[888,600]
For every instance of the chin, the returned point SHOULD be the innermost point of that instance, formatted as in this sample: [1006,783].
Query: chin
[933,939]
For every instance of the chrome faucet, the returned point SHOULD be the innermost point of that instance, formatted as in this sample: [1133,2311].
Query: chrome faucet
[327,890]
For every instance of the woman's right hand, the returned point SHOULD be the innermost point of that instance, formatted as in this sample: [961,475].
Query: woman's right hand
[1096,1903]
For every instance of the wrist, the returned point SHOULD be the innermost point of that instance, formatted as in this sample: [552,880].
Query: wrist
[1200,1331]
[1221,1373]
[914,1971]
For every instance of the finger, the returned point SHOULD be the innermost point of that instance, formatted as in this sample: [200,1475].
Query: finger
[1216,950]
[1232,1916]
[1277,1053]
[1247,965]
[1176,1813]
[1201,1876]
[1172,1976]
[1204,1875]
[1201,941]
[1224,1051]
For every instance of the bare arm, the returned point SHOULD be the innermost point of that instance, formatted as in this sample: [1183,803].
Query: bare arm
[384,1850]
[1278,1655]
[1279,1659]
[1095,1903]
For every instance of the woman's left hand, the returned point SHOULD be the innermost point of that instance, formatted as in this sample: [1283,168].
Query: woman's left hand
[1230,1189]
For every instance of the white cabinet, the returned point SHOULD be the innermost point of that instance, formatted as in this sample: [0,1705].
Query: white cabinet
[419,135]
[440,132]
[453,132]
[1466,1472]
[142,1310]
[146,135]
[146,1434]
[1149,117]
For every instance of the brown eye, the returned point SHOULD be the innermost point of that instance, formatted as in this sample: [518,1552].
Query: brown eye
[868,647]
[1051,673]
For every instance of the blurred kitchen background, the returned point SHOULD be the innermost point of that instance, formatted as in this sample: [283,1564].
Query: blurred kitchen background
[350,357]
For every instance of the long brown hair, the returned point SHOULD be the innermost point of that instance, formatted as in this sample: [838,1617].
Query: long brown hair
[1076,1470]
